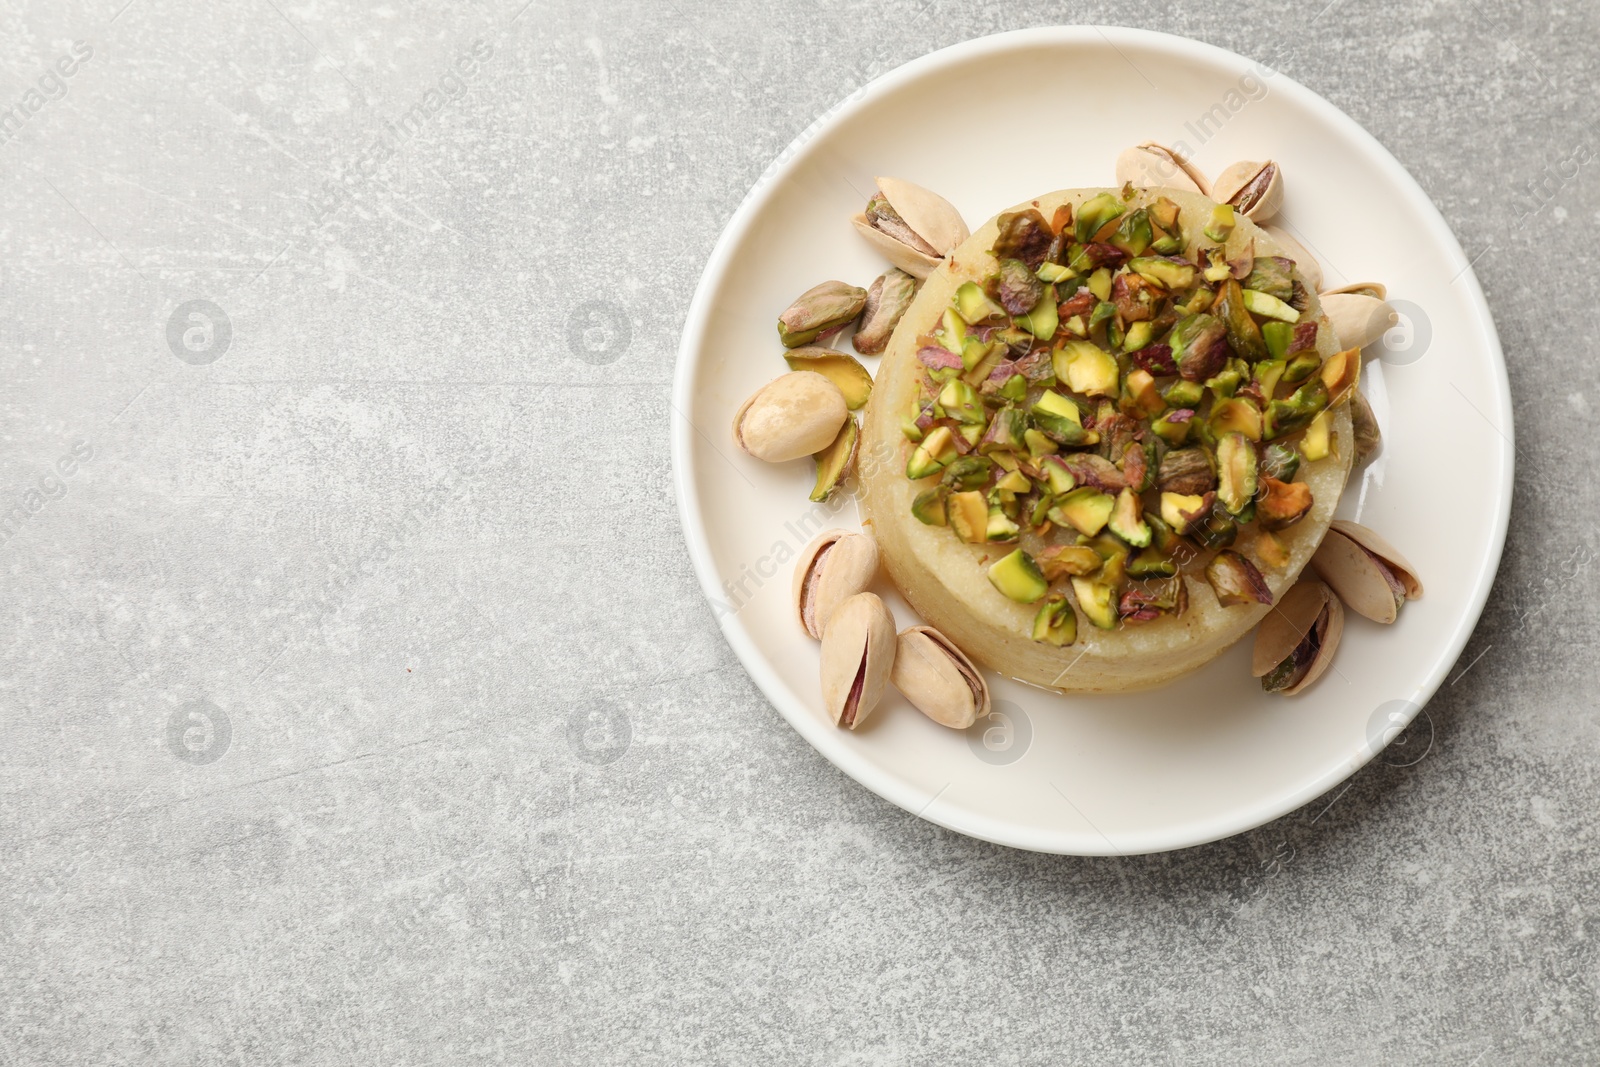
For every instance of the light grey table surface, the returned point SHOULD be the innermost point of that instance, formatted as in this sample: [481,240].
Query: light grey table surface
[360,705]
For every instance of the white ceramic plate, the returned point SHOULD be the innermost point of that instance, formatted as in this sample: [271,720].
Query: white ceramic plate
[994,122]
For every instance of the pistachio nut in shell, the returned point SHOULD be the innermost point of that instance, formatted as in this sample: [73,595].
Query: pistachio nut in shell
[1254,189]
[939,679]
[858,653]
[1307,264]
[831,569]
[1369,574]
[792,416]
[1153,166]
[913,227]
[1358,319]
[887,300]
[1296,642]
[823,307]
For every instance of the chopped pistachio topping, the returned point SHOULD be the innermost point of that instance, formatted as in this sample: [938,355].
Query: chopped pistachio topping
[1116,403]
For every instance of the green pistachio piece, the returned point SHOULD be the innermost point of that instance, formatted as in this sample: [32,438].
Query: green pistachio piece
[1094,214]
[1152,562]
[1061,561]
[1113,555]
[1127,520]
[834,462]
[818,310]
[1099,283]
[1085,509]
[1167,273]
[1015,287]
[840,369]
[961,402]
[1056,623]
[967,473]
[1043,319]
[1001,527]
[929,506]
[1184,394]
[969,516]
[1103,311]
[1216,529]
[1133,236]
[1280,461]
[1198,303]
[1226,382]
[1199,346]
[1243,333]
[1295,413]
[1039,444]
[1013,482]
[909,427]
[1268,306]
[1173,432]
[1139,335]
[1236,580]
[1221,222]
[1017,576]
[1086,368]
[1267,374]
[1015,389]
[1301,367]
[1098,600]
[975,307]
[986,359]
[1236,472]
[1235,415]
[1270,274]
[1053,272]
[1217,268]
[1059,419]
[935,452]
[1162,537]
[1278,336]
[1059,478]
[1282,503]
[1005,432]
[1167,244]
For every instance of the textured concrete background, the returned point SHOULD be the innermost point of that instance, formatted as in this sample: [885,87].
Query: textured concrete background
[360,705]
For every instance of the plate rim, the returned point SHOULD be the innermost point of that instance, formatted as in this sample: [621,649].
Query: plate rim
[854,762]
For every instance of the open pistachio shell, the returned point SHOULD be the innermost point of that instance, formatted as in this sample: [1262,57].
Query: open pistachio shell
[1307,624]
[796,415]
[1369,574]
[1310,269]
[858,653]
[933,217]
[939,679]
[1357,318]
[1153,166]
[934,223]
[833,568]
[1376,290]
[1254,189]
